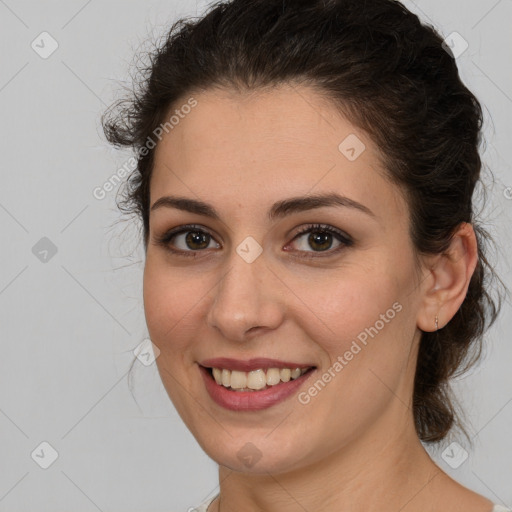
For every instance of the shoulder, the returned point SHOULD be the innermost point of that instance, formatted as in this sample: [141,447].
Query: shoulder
[205,504]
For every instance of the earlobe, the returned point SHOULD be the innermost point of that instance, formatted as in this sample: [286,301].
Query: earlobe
[451,274]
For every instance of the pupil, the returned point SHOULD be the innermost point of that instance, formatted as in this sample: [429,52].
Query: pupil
[318,237]
[195,237]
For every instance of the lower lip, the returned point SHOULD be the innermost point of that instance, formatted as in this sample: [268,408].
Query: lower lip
[251,400]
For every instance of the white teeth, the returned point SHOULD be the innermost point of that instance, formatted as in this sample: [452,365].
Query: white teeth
[217,375]
[238,380]
[295,373]
[285,374]
[273,376]
[256,379]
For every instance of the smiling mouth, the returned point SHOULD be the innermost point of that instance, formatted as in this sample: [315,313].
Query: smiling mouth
[255,380]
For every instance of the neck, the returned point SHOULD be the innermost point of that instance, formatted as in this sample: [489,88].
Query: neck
[386,469]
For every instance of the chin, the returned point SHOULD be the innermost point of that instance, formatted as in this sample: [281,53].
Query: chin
[258,457]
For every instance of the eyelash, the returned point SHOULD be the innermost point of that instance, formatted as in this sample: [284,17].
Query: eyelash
[345,240]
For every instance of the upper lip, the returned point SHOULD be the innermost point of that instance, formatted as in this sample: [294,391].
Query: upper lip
[250,364]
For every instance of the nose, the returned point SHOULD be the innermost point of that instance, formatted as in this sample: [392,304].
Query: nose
[247,300]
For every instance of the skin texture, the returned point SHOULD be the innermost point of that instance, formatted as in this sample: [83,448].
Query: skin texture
[353,447]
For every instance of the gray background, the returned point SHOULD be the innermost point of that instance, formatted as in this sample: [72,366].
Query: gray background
[71,320]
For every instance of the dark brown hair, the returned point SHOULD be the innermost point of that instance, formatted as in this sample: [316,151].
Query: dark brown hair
[391,76]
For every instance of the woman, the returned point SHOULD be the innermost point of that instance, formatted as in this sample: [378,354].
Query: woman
[314,270]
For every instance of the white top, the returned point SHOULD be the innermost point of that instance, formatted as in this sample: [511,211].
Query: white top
[205,504]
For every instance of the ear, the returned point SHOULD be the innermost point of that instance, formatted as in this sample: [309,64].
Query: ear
[444,290]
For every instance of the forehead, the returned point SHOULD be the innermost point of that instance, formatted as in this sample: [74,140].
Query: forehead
[260,122]
[287,141]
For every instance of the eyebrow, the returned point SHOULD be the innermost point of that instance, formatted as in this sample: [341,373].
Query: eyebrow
[278,210]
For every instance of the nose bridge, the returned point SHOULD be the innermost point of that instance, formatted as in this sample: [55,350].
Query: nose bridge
[244,298]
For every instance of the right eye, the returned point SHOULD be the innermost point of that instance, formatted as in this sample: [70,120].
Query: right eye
[195,240]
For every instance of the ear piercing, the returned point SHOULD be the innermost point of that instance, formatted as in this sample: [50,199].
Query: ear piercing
[437,325]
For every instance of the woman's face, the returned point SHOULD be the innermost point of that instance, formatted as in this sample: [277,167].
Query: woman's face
[246,287]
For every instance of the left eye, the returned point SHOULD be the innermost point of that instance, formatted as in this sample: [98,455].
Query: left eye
[320,237]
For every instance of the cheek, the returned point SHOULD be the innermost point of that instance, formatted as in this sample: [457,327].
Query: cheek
[344,306]
[365,335]
[170,302]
